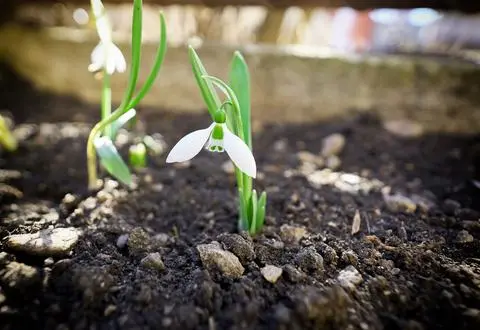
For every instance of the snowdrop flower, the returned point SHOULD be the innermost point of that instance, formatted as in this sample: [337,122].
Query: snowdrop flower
[216,138]
[107,56]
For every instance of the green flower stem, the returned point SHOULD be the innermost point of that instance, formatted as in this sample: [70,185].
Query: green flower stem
[159,57]
[106,101]
[127,103]
[244,182]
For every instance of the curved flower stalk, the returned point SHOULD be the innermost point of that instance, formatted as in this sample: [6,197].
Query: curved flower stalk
[215,138]
[230,132]
[108,58]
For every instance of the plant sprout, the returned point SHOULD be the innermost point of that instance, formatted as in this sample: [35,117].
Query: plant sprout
[107,58]
[230,132]
[7,140]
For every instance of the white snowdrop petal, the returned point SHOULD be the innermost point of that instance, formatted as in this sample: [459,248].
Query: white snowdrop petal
[98,55]
[121,64]
[190,145]
[239,153]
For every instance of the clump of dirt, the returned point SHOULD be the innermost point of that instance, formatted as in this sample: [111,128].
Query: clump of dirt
[136,263]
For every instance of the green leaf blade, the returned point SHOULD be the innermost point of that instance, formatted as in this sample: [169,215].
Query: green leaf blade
[240,84]
[120,122]
[207,90]
[112,161]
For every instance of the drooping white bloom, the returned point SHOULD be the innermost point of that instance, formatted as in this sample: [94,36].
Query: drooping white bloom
[215,138]
[107,56]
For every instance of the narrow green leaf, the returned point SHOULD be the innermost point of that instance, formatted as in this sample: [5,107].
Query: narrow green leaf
[159,57]
[208,92]
[253,212]
[243,212]
[120,122]
[260,218]
[111,160]
[136,54]
[240,84]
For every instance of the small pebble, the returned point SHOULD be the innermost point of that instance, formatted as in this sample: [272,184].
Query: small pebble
[215,258]
[293,274]
[333,162]
[333,145]
[399,203]
[463,237]
[239,246]
[153,261]
[404,128]
[46,243]
[271,273]
[349,277]
[350,257]
[292,234]
[122,241]
[309,259]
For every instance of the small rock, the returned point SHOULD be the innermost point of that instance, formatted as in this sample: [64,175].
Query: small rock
[327,252]
[280,145]
[333,162]
[271,273]
[463,237]
[404,127]
[215,258]
[349,278]
[239,246]
[45,243]
[228,167]
[356,222]
[109,310]
[399,203]
[48,262]
[333,145]
[19,276]
[402,232]
[309,158]
[161,239]
[138,241]
[350,257]
[153,261]
[293,274]
[122,241]
[309,259]
[292,234]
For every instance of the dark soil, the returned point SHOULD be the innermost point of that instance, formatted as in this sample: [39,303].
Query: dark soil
[419,270]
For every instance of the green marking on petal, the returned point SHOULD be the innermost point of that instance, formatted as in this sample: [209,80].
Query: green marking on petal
[220,117]
[217,133]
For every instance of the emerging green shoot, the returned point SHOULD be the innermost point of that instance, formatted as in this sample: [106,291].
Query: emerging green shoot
[106,58]
[7,140]
[138,155]
[230,132]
